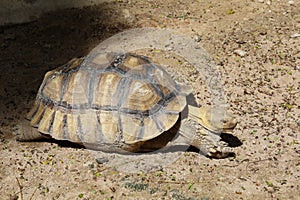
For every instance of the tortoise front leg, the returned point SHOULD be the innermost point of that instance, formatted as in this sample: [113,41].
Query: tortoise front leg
[208,143]
[211,145]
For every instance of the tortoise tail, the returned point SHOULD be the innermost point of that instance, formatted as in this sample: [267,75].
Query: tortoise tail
[25,133]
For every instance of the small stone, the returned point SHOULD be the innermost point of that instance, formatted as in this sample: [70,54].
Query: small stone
[102,160]
[295,35]
[291,2]
[169,48]
[298,122]
[128,16]
[89,165]
[261,1]
[240,52]
[197,38]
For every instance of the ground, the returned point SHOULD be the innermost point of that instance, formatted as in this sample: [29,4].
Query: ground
[262,89]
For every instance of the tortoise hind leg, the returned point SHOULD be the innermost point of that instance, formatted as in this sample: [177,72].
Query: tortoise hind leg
[26,133]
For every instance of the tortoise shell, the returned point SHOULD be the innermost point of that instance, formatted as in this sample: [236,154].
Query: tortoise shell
[107,98]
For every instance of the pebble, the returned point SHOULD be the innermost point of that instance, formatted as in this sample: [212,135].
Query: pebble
[128,16]
[261,1]
[197,38]
[240,52]
[295,35]
[102,160]
[89,164]
[291,2]
[169,48]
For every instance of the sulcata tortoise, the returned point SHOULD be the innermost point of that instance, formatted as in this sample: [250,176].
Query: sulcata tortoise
[122,102]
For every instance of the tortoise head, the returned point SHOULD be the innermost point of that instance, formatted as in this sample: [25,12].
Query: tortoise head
[214,119]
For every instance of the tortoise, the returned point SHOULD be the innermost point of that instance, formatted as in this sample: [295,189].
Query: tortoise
[122,102]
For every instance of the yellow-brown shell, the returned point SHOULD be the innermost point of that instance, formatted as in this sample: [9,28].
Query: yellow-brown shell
[107,98]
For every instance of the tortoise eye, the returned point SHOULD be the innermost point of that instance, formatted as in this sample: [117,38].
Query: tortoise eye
[224,121]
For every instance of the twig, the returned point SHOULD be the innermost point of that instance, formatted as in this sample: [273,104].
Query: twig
[245,160]
[21,188]
[174,182]
[33,193]
[257,161]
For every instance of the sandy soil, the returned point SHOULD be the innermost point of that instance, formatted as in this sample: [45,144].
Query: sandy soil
[262,88]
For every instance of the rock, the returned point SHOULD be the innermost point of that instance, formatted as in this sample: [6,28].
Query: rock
[240,52]
[197,38]
[102,160]
[128,16]
[295,35]
[291,2]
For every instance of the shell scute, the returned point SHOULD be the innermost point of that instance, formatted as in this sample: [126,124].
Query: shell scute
[76,89]
[140,96]
[106,89]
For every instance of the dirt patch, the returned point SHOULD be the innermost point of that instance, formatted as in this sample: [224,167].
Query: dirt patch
[262,88]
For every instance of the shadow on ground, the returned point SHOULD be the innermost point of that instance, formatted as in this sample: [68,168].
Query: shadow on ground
[28,51]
